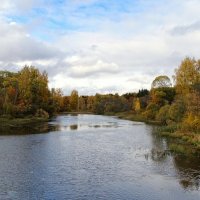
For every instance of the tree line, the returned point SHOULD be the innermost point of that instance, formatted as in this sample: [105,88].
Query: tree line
[26,93]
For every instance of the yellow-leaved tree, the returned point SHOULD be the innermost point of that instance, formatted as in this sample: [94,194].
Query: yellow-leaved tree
[187,79]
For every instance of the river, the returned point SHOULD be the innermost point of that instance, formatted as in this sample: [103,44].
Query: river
[94,157]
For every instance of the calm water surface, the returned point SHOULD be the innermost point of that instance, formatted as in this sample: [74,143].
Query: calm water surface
[94,157]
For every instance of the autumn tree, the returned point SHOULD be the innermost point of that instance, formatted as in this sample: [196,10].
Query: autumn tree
[26,93]
[8,92]
[90,103]
[151,111]
[163,114]
[82,103]
[177,110]
[74,100]
[33,89]
[66,103]
[162,92]
[161,81]
[187,79]
[56,100]
[187,76]
[136,105]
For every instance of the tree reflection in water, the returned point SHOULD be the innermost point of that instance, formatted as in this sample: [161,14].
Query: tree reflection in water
[186,159]
[44,127]
[73,127]
[188,169]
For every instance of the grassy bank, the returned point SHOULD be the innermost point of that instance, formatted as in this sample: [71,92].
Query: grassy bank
[191,138]
[76,113]
[19,122]
[133,117]
[173,132]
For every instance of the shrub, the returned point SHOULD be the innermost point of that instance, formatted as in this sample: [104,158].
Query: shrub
[42,113]
[177,111]
[151,111]
[163,114]
[191,123]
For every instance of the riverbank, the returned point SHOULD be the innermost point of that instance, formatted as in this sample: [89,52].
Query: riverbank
[90,156]
[172,132]
[8,121]
[18,122]
[166,131]
[190,138]
[76,113]
[133,117]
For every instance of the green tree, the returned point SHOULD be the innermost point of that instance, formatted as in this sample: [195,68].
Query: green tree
[142,93]
[161,92]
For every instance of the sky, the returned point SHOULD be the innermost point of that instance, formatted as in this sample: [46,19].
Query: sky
[99,46]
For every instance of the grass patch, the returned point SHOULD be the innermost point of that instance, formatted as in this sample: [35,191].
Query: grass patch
[184,149]
[133,117]
[129,116]
[168,129]
[18,122]
[186,137]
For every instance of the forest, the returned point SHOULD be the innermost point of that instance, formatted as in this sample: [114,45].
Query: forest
[176,106]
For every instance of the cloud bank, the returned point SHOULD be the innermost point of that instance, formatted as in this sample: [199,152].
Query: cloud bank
[99,46]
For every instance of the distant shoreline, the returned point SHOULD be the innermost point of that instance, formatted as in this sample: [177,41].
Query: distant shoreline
[19,122]
[163,130]
[189,138]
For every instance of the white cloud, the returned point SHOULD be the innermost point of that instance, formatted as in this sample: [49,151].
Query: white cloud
[17,46]
[184,29]
[10,6]
[99,67]
[99,50]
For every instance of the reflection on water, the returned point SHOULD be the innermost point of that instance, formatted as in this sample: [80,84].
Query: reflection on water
[107,158]
[186,160]
[188,169]
[73,127]
[61,123]
[44,127]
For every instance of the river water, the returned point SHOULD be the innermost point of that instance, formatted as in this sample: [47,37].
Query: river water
[94,157]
